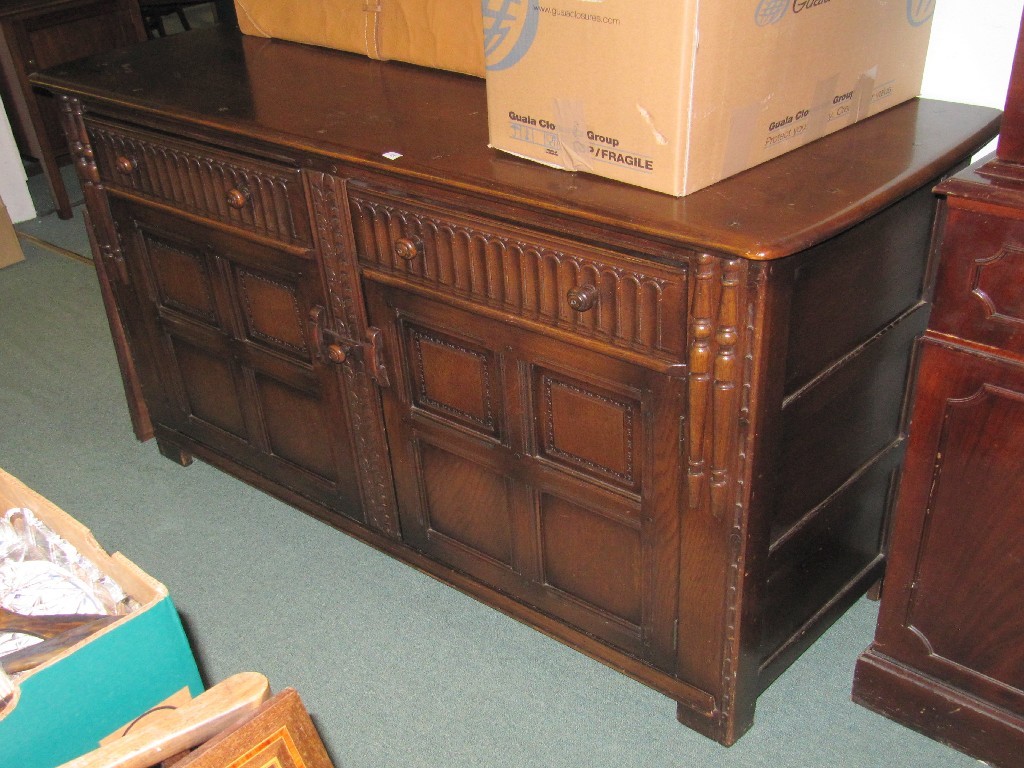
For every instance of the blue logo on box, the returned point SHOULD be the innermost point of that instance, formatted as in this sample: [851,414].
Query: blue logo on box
[509,29]
[920,11]
[770,12]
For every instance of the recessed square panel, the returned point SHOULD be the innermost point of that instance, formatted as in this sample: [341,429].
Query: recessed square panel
[592,558]
[467,503]
[182,278]
[295,426]
[210,388]
[272,312]
[585,427]
[453,379]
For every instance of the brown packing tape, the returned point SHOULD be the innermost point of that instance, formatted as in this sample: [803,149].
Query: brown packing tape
[372,13]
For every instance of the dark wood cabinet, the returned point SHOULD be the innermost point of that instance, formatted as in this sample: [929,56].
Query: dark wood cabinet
[37,34]
[664,431]
[947,658]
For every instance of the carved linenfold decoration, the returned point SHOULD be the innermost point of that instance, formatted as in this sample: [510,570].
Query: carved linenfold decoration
[257,198]
[325,194]
[530,280]
[993,284]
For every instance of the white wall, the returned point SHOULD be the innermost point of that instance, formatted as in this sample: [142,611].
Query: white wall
[971,50]
[969,60]
[13,189]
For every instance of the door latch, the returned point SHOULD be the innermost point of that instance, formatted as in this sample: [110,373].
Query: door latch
[333,347]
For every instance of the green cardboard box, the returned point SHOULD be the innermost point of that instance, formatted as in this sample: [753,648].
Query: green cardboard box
[62,709]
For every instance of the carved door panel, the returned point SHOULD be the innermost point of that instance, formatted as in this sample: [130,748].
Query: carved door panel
[953,590]
[226,329]
[549,472]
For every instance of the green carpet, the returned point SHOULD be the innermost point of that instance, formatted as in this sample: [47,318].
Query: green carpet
[397,669]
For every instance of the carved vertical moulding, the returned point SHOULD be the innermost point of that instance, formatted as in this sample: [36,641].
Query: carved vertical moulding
[327,195]
[722,317]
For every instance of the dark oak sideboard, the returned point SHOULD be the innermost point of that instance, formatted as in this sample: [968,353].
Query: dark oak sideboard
[664,431]
[948,654]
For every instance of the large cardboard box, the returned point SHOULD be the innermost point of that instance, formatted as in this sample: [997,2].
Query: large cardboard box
[63,708]
[443,34]
[10,248]
[676,96]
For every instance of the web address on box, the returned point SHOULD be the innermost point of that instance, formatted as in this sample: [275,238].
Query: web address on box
[564,13]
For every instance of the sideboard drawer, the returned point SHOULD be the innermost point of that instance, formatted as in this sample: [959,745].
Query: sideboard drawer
[257,196]
[979,295]
[541,280]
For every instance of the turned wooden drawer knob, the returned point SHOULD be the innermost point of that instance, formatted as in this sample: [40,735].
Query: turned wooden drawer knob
[335,353]
[125,164]
[583,298]
[407,248]
[237,197]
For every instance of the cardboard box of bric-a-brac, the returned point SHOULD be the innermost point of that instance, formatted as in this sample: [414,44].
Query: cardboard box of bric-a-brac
[676,96]
[63,694]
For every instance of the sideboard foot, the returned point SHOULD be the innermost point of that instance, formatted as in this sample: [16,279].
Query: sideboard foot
[174,453]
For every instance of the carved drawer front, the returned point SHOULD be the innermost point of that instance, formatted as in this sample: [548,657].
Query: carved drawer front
[540,280]
[979,295]
[260,197]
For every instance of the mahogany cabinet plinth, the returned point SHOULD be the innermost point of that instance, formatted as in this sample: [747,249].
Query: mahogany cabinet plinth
[664,431]
[948,658]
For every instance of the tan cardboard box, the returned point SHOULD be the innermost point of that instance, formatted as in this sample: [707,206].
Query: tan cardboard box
[676,96]
[10,248]
[443,34]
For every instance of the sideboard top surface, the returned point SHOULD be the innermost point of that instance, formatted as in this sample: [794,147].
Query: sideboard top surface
[349,109]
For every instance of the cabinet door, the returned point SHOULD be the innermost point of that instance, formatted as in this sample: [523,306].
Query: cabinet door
[548,472]
[223,328]
[953,608]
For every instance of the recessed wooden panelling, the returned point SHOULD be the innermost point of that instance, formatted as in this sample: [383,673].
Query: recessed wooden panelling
[295,428]
[271,312]
[991,472]
[182,278]
[210,387]
[453,378]
[980,290]
[467,503]
[570,416]
[592,558]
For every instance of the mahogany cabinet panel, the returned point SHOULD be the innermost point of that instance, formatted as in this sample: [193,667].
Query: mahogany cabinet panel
[543,471]
[979,295]
[947,657]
